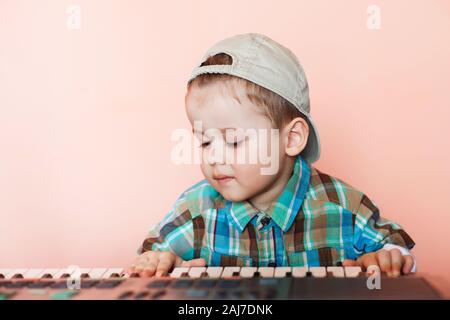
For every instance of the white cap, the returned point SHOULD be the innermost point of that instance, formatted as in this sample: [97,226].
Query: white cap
[261,60]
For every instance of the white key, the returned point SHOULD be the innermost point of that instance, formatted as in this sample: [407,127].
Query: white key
[318,272]
[15,272]
[196,272]
[299,272]
[113,271]
[33,273]
[178,271]
[248,272]
[266,272]
[49,271]
[338,272]
[352,272]
[280,272]
[97,273]
[214,272]
[4,272]
[62,272]
[228,271]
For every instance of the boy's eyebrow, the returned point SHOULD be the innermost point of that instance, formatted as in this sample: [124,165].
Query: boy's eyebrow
[221,130]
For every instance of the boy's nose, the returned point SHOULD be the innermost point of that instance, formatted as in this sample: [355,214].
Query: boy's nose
[216,154]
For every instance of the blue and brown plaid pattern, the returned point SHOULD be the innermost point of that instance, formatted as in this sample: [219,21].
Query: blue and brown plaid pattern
[318,220]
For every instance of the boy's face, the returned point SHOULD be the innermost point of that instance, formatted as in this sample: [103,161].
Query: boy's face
[250,135]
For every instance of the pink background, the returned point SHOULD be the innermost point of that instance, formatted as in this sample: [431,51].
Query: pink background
[86,115]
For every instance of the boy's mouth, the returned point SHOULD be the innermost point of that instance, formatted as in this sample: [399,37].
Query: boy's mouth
[222,179]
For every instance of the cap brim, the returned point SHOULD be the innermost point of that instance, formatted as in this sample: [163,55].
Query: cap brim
[311,153]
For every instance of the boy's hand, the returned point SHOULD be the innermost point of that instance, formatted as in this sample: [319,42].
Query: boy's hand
[392,262]
[159,263]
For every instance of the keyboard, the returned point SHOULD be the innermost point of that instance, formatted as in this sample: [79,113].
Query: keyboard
[215,283]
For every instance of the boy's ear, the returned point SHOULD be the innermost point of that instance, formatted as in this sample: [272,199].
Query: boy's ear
[296,136]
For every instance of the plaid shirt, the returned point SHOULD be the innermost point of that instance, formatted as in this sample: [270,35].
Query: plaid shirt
[318,220]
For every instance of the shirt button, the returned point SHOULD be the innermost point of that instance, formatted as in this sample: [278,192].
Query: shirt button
[265,221]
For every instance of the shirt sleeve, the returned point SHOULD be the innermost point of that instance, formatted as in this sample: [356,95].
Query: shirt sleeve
[175,233]
[372,232]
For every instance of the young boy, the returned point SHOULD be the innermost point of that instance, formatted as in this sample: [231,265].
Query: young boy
[245,214]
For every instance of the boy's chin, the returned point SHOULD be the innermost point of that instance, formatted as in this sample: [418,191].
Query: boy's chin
[233,196]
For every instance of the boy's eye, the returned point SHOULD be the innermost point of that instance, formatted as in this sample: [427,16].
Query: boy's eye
[235,143]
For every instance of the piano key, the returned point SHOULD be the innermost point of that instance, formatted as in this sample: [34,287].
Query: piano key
[352,272]
[97,273]
[113,273]
[266,272]
[84,272]
[4,272]
[280,272]
[196,272]
[299,272]
[33,273]
[248,272]
[16,273]
[318,272]
[338,272]
[214,272]
[48,273]
[229,271]
[63,273]
[179,271]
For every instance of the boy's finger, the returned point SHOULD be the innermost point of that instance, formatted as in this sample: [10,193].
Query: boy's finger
[166,261]
[350,263]
[368,260]
[384,261]
[194,263]
[408,265]
[396,262]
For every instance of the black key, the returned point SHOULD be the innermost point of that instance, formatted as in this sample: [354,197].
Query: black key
[125,295]
[205,283]
[235,274]
[179,284]
[272,264]
[308,273]
[158,284]
[46,276]
[257,274]
[288,274]
[107,284]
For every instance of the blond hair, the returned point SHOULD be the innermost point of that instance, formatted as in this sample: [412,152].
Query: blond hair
[276,108]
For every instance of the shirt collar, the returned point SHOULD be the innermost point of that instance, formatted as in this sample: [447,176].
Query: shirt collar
[284,210]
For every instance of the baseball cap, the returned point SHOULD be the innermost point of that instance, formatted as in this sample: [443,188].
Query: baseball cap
[265,62]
